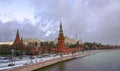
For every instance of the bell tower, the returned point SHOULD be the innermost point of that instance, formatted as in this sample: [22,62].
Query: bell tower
[61,40]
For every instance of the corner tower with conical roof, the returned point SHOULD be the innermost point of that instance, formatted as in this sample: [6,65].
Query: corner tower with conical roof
[61,40]
[18,43]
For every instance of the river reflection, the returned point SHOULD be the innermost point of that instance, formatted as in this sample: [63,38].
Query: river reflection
[106,61]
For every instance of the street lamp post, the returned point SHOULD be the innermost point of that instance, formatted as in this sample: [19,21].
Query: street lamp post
[36,50]
[12,56]
[36,54]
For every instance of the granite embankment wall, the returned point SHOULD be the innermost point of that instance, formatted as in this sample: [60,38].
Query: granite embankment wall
[35,66]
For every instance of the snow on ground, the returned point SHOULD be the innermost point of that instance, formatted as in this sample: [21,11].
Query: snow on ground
[27,60]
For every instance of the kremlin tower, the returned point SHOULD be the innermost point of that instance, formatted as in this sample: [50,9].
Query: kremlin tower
[61,40]
[18,42]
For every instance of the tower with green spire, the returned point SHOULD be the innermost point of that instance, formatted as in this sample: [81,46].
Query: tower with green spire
[61,30]
[61,40]
[17,34]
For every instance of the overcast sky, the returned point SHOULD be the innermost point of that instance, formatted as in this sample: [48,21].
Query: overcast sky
[91,20]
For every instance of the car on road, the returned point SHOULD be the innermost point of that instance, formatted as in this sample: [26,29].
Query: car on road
[11,64]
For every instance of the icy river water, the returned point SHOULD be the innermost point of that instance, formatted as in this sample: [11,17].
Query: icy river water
[108,60]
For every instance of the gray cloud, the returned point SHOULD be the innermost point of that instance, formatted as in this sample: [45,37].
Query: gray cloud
[91,20]
[27,30]
[72,16]
[105,23]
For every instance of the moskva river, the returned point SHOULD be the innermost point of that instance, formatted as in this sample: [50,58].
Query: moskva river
[108,60]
